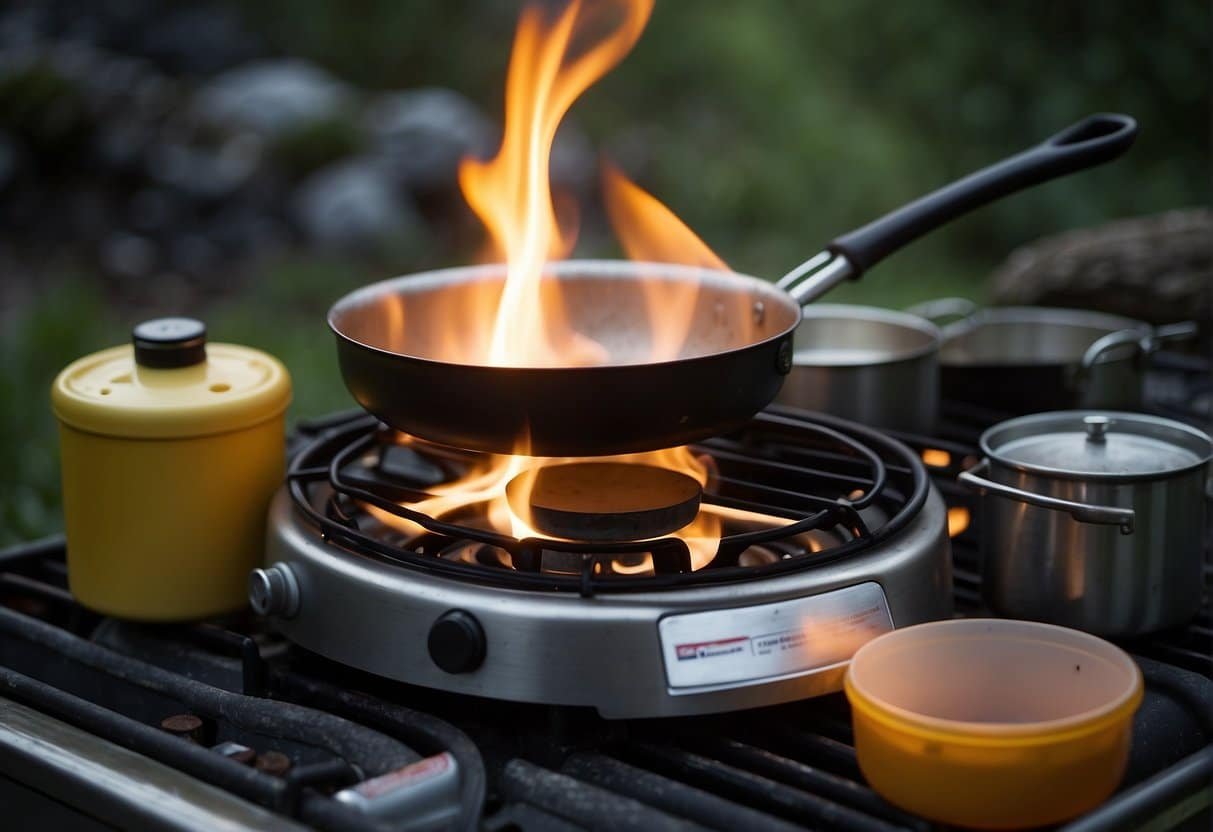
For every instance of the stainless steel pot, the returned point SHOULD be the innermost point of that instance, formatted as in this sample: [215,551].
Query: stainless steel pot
[1093,519]
[1024,359]
[875,366]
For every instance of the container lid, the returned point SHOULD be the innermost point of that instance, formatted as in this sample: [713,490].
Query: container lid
[1100,444]
[169,383]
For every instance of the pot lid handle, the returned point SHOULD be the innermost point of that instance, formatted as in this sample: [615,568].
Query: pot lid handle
[1097,427]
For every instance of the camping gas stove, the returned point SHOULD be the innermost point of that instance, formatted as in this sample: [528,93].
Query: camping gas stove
[823,535]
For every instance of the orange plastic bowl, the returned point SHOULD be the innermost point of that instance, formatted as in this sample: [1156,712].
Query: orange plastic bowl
[990,723]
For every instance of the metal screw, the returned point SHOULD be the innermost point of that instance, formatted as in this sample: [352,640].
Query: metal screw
[274,763]
[783,358]
[186,726]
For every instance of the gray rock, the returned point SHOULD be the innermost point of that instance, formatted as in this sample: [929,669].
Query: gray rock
[351,204]
[193,254]
[198,40]
[154,209]
[128,255]
[205,173]
[422,134]
[270,97]
[20,24]
[247,232]
[121,144]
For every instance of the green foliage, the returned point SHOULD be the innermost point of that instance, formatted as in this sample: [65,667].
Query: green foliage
[67,322]
[771,126]
[44,108]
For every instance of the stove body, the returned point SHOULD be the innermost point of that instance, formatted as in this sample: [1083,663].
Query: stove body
[677,644]
[619,654]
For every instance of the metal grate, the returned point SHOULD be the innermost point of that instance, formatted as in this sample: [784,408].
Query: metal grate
[784,464]
[782,768]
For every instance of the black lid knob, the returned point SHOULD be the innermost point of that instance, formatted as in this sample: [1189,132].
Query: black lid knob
[457,642]
[169,342]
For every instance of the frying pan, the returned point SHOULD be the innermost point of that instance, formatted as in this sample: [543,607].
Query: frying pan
[410,354]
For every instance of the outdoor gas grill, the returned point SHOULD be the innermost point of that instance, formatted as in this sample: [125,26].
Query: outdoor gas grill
[344,716]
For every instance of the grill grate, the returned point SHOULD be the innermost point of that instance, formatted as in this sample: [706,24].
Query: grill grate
[784,464]
[782,768]
[538,768]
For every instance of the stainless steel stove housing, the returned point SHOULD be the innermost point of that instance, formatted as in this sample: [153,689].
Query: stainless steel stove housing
[604,651]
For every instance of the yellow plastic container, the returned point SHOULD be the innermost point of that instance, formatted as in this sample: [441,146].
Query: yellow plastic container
[171,450]
[993,724]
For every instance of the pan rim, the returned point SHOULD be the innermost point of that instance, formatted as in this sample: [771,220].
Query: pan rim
[571,269]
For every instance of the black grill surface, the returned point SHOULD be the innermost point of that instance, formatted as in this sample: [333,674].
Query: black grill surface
[529,767]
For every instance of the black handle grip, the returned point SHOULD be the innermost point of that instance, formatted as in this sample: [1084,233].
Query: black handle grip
[1094,140]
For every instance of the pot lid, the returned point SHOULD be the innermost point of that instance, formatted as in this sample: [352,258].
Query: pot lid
[1101,444]
[170,383]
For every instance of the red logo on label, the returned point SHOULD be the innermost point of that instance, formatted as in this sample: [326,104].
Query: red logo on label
[708,649]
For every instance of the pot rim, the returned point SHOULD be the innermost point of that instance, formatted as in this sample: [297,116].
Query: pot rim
[956,332]
[871,314]
[1049,315]
[1197,435]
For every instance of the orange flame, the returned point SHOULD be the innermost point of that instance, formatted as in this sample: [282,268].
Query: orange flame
[551,66]
[512,194]
[649,231]
[486,483]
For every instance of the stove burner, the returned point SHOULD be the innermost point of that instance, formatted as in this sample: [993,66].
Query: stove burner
[604,500]
[790,491]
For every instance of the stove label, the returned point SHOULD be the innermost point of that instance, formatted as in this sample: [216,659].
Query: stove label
[753,644]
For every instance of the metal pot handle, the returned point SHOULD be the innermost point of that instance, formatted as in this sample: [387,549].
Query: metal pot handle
[941,309]
[1110,342]
[1146,344]
[1182,331]
[1083,512]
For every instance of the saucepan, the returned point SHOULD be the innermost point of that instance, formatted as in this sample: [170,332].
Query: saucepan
[875,366]
[1093,519]
[1025,359]
[407,359]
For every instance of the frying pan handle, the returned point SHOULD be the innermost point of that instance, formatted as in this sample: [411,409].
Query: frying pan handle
[1094,140]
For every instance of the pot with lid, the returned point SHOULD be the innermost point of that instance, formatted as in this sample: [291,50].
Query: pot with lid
[1093,519]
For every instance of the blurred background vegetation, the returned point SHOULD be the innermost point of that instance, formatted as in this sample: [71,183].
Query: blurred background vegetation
[768,126]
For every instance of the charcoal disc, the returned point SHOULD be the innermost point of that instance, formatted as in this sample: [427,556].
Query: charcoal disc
[605,501]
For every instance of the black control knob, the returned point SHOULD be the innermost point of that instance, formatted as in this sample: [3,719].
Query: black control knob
[165,343]
[457,642]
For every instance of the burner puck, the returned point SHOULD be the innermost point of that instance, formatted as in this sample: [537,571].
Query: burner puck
[605,501]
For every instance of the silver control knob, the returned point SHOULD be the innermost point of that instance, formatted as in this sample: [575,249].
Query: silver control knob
[274,591]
